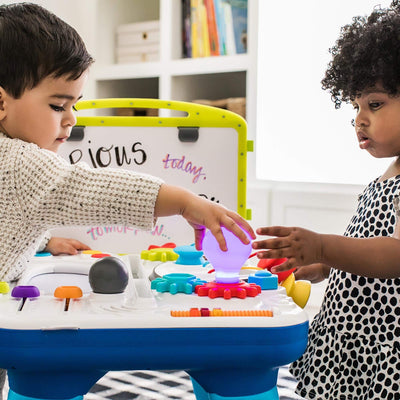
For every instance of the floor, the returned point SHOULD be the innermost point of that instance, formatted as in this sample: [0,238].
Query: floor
[155,385]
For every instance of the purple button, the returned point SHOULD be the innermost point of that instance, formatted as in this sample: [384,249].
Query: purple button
[25,292]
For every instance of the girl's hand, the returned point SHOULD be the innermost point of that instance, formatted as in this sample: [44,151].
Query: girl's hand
[59,245]
[314,273]
[300,246]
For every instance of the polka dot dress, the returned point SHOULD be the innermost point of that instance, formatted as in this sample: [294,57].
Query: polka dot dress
[353,348]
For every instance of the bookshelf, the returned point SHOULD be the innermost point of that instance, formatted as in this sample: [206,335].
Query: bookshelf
[172,77]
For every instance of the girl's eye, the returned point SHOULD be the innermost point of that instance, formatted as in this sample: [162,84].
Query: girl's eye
[374,105]
[57,108]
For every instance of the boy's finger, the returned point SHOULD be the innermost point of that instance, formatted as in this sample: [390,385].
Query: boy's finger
[198,238]
[219,236]
[243,224]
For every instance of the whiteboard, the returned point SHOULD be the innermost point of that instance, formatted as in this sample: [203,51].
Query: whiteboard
[208,166]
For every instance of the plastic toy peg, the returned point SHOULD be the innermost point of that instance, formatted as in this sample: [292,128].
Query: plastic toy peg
[188,255]
[265,279]
[4,287]
[268,263]
[299,291]
[176,283]
[226,264]
[43,254]
[205,312]
[100,255]
[68,292]
[228,290]
[91,252]
[25,292]
[162,254]
[194,312]
[169,245]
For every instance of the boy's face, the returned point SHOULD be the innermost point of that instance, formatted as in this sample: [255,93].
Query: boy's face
[43,115]
[377,122]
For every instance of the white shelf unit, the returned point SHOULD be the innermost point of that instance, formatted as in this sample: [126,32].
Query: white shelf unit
[172,77]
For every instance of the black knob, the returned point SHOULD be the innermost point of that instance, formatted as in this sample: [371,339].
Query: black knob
[108,276]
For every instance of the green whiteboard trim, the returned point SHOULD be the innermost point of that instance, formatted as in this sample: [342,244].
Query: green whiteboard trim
[197,115]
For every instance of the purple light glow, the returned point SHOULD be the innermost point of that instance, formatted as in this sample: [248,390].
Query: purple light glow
[227,264]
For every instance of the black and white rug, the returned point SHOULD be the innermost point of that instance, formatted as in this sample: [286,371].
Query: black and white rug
[156,385]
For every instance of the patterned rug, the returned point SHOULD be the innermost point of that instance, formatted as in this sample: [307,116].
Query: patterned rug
[156,385]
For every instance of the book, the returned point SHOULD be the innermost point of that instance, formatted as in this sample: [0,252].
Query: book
[239,17]
[212,27]
[229,32]
[205,38]
[186,30]
[220,19]
[195,28]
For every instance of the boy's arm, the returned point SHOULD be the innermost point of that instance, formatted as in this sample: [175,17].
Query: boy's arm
[370,257]
[201,214]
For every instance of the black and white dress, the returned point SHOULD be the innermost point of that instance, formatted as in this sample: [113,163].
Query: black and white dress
[353,350]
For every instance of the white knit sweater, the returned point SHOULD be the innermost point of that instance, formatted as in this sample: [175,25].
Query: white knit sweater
[39,191]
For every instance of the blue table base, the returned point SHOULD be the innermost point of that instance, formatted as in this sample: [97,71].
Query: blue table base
[201,394]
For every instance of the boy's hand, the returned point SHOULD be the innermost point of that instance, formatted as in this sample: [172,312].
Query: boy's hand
[203,214]
[300,246]
[59,245]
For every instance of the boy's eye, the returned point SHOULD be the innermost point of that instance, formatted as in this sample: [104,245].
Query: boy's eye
[57,108]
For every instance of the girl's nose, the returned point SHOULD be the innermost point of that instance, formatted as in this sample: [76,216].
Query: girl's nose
[360,119]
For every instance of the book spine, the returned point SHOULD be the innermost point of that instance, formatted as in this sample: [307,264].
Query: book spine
[205,38]
[239,15]
[212,27]
[195,28]
[186,30]
[220,26]
[230,35]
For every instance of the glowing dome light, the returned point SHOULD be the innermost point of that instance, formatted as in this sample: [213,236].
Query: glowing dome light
[226,264]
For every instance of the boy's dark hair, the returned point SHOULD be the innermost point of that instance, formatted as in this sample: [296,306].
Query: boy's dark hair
[366,53]
[35,44]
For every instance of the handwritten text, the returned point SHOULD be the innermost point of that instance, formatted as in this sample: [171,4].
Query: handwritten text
[185,166]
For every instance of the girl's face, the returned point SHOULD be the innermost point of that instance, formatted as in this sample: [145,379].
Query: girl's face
[43,115]
[377,122]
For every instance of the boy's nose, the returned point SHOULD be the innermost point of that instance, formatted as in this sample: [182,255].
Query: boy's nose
[69,119]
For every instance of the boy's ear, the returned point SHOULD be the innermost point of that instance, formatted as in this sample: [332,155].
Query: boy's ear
[3,103]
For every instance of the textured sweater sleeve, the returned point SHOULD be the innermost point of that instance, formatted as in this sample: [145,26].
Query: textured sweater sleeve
[53,193]
[39,191]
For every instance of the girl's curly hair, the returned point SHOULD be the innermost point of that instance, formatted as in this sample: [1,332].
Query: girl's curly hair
[367,52]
